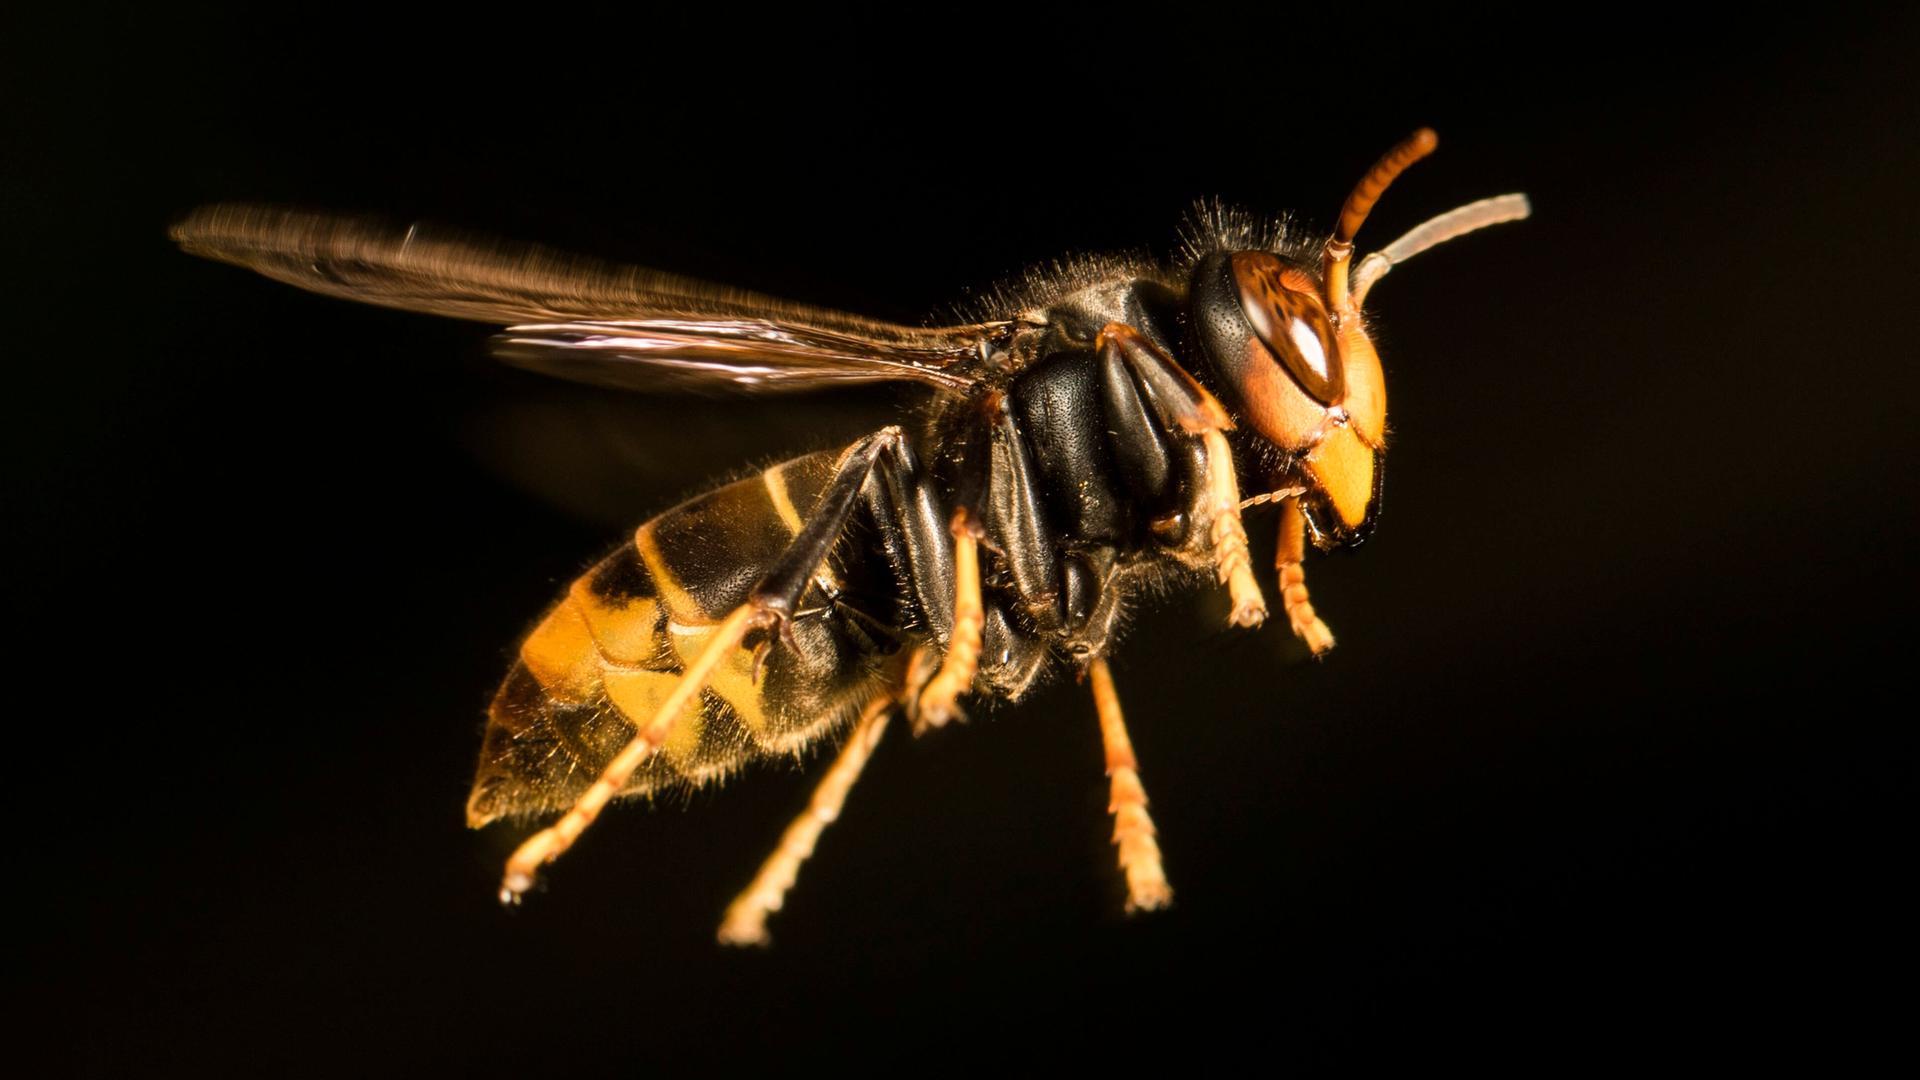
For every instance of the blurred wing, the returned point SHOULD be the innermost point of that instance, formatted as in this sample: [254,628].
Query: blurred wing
[581,318]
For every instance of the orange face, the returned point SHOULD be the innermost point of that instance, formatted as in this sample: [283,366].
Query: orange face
[1304,381]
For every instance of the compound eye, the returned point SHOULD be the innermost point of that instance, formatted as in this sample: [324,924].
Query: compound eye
[1283,307]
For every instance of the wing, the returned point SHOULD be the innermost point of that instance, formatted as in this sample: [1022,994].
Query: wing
[581,318]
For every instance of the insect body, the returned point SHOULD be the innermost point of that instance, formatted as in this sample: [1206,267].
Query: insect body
[1102,432]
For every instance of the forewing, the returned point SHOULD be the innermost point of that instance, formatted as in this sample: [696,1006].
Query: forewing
[749,354]
[577,317]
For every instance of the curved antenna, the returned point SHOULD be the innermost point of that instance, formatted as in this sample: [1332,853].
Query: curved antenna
[1448,226]
[1360,203]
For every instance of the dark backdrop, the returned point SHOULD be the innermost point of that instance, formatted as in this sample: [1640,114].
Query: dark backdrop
[1596,771]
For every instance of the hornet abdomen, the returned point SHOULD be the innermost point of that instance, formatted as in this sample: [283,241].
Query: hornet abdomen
[603,660]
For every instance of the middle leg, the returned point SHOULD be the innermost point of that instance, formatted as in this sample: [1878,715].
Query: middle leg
[937,702]
[746,918]
[1133,831]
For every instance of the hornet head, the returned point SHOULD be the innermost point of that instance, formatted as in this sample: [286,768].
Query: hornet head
[1285,335]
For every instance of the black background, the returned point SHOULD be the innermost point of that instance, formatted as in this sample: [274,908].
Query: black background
[1600,769]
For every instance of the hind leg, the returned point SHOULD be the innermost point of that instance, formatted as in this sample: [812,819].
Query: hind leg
[767,608]
[746,919]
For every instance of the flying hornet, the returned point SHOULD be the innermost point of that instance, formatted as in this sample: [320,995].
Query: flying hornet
[1096,434]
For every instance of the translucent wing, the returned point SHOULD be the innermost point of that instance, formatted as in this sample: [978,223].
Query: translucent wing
[577,317]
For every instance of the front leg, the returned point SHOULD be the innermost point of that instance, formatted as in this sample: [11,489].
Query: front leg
[1182,403]
[1293,578]
[1231,560]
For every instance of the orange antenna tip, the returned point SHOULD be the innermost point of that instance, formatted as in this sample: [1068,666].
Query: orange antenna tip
[1368,190]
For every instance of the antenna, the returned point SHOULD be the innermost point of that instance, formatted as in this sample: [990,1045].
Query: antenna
[1453,223]
[1360,204]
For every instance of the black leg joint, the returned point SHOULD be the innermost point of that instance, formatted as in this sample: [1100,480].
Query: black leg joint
[780,590]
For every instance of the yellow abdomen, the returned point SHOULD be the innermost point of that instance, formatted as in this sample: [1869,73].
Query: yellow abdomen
[605,657]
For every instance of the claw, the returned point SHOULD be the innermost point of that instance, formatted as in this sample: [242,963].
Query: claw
[523,866]
[930,714]
[1248,614]
[1148,896]
[770,618]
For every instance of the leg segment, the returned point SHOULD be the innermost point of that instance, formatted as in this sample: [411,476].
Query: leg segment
[548,844]
[905,506]
[1175,395]
[936,703]
[1293,579]
[1232,563]
[1133,831]
[746,919]
[767,608]
[1183,403]
[1017,520]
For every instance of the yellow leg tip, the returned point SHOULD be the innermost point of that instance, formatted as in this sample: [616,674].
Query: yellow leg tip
[935,711]
[1149,896]
[1248,614]
[745,933]
[525,862]
[513,886]
[1318,638]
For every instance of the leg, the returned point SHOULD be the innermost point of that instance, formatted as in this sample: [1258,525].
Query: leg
[936,702]
[548,844]
[1133,831]
[767,608]
[1232,563]
[1183,403]
[1293,579]
[999,504]
[746,918]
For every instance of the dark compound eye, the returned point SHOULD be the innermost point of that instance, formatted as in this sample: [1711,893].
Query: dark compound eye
[1282,307]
